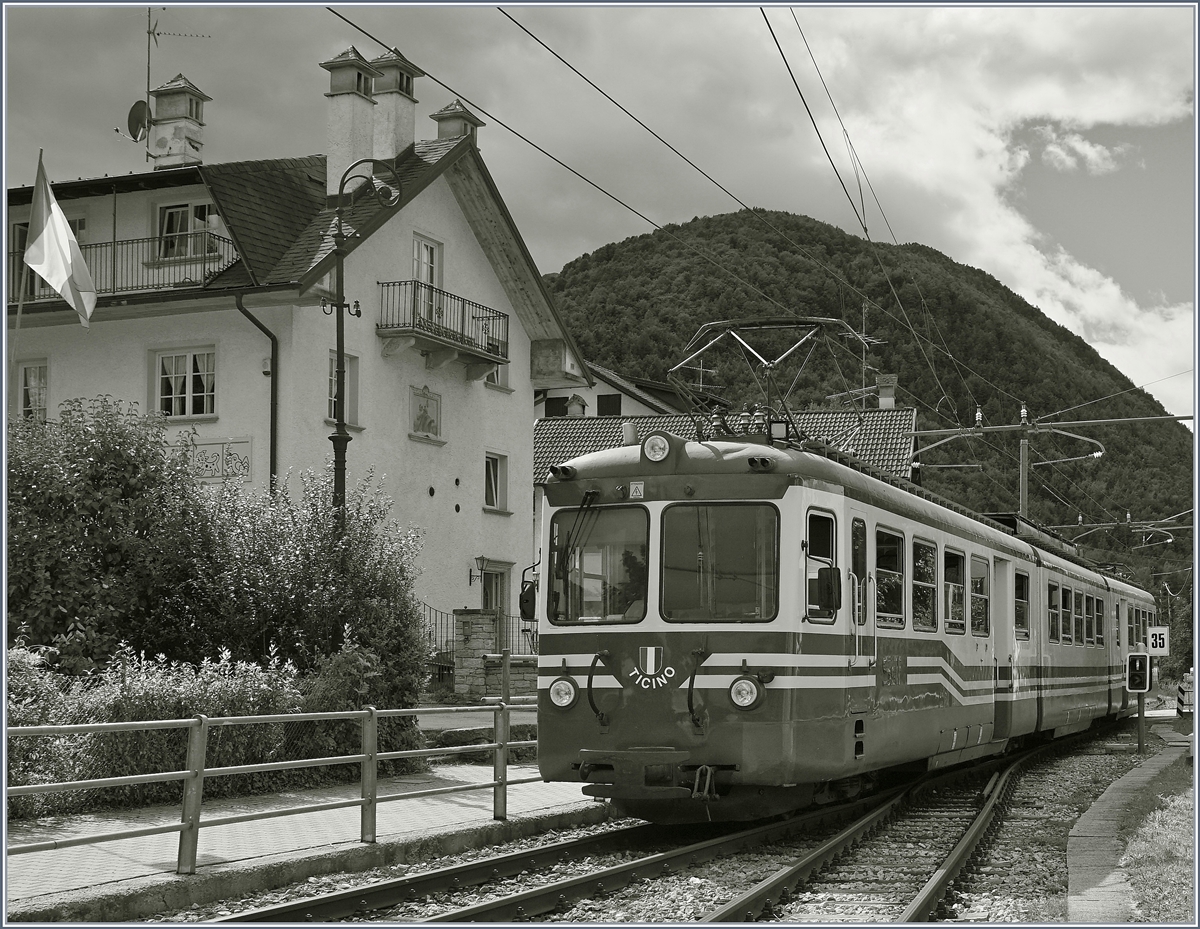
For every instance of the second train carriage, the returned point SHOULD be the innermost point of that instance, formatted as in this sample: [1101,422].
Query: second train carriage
[734,628]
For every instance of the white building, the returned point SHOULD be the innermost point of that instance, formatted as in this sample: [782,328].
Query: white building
[212,280]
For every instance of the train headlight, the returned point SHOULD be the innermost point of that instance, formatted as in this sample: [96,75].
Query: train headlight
[746,692]
[563,693]
[656,447]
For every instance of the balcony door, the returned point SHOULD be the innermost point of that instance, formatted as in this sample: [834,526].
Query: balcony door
[427,272]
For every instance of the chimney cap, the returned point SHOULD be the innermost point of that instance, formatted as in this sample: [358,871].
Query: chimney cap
[351,57]
[456,110]
[180,84]
[393,57]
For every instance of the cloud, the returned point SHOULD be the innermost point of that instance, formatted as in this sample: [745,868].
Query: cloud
[1066,151]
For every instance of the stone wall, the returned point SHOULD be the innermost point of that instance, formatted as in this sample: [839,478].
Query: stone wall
[478,668]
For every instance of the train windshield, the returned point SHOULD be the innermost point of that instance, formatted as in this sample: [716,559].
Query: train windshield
[720,563]
[598,564]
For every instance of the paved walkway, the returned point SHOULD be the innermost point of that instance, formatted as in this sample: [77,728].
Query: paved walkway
[1098,891]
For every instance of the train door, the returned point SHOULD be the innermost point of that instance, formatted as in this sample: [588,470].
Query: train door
[863,679]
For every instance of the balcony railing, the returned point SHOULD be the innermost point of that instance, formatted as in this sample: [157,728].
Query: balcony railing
[412,307]
[168,262]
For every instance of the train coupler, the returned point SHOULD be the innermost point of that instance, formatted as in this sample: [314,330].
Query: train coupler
[704,788]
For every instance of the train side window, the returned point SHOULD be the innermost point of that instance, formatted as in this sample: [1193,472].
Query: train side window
[1099,622]
[1021,605]
[924,586]
[858,566]
[954,572]
[819,555]
[1089,620]
[889,580]
[1117,623]
[1066,616]
[981,592]
[1052,610]
[1145,627]
[1079,617]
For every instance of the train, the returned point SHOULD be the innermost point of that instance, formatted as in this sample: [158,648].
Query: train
[750,622]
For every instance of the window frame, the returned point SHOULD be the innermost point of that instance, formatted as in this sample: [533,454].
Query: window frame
[810,575]
[1099,622]
[958,626]
[351,411]
[189,394]
[570,519]
[928,588]
[1021,630]
[985,596]
[1053,606]
[495,482]
[27,410]
[196,243]
[1067,616]
[776,567]
[1079,617]
[858,549]
[890,620]
[1089,620]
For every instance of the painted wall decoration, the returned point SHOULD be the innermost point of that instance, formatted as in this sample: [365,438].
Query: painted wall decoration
[426,412]
[215,460]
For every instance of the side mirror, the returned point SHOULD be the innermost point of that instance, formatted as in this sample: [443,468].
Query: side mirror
[829,589]
[527,601]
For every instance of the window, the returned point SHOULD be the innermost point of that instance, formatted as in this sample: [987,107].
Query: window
[1089,625]
[195,109]
[406,83]
[924,586]
[1099,622]
[598,565]
[427,272]
[954,587]
[183,230]
[498,376]
[17,268]
[1129,619]
[1021,605]
[1052,611]
[981,614]
[1067,622]
[608,405]
[720,562]
[858,567]
[187,383]
[495,482]
[818,554]
[1079,617]
[350,413]
[493,592]
[889,579]
[34,382]
[556,406]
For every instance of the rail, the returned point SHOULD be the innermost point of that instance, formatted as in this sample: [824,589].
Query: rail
[422,308]
[195,773]
[167,262]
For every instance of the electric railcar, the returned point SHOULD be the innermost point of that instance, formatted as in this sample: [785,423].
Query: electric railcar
[735,628]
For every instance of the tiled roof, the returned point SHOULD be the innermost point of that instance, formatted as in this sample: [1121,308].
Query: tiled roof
[267,205]
[882,438]
[627,386]
[315,239]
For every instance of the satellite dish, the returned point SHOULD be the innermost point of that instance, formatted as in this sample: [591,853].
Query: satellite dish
[139,120]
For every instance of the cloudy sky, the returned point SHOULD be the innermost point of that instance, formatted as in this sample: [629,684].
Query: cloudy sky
[1053,148]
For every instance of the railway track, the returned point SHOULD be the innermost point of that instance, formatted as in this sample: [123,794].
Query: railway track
[893,862]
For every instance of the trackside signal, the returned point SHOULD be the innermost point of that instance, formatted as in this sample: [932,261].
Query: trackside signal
[1137,673]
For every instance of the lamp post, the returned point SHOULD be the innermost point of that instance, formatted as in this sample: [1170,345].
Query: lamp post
[386,197]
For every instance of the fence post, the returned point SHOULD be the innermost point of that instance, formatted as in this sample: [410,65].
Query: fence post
[193,796]
[500,769]
[370,773]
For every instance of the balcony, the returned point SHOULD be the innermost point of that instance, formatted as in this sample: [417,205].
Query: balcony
[442,326]
[170,262]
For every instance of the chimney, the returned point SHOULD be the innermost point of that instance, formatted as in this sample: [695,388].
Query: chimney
[396,107]
[177,129]
[350,124]
[456,120]
[576,406]
[887,384]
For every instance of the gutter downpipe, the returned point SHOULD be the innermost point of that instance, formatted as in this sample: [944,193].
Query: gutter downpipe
[237,298]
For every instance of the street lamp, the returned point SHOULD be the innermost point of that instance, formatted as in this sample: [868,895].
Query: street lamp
[386,197]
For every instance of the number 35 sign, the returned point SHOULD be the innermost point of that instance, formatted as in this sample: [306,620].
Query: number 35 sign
[1158,640]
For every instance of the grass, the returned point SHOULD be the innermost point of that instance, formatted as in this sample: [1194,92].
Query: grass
[1159,830]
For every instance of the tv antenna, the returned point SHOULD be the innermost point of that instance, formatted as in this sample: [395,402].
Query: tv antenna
[139,119]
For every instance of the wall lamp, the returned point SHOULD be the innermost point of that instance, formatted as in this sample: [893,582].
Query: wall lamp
[481,562]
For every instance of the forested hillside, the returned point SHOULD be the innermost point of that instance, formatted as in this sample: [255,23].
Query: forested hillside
[634,305]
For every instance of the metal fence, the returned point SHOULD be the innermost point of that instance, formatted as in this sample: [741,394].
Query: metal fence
[439,638]
[195,772]
[188,259]
[422,307]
